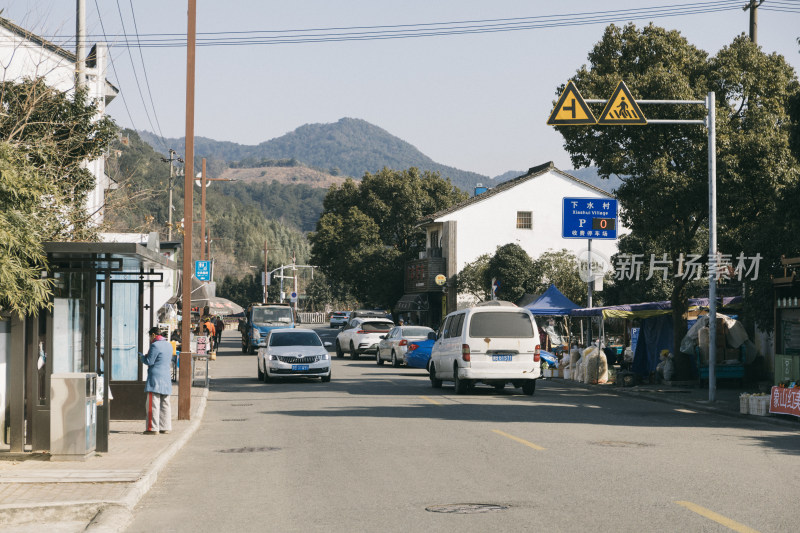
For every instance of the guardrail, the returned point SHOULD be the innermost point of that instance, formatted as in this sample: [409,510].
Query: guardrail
[313,318]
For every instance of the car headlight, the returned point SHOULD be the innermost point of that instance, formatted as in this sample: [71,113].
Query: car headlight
[323,357]
[256,334]
[273,357]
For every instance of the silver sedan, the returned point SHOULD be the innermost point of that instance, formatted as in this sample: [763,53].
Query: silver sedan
[392,346]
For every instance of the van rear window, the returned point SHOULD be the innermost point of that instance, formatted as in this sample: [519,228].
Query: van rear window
[501,325]
[376,326]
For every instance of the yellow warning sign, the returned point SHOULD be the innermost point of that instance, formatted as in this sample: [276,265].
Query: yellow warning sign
[571,109]
[622,109]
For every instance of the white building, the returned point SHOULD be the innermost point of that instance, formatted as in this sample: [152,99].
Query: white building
[526,210]
[25,55]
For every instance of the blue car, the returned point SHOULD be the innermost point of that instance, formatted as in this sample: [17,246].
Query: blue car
[418,353]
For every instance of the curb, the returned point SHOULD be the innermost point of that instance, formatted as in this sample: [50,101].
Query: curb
[116,516]
[690,405]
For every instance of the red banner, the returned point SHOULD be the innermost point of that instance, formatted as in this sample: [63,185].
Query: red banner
[785,401]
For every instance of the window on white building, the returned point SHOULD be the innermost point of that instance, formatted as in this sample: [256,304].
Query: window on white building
[524,220]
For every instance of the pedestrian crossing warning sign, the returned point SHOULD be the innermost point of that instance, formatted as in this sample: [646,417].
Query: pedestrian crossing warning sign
[571,109]
[622,109]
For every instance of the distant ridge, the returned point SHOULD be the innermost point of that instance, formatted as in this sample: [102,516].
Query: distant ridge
[348,147]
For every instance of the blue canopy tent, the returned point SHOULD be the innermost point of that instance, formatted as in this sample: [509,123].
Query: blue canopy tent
[552,303]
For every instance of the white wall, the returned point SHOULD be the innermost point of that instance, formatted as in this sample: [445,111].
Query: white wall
[487,224]
[20,59]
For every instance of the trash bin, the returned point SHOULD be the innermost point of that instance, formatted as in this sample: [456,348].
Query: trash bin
[73,416]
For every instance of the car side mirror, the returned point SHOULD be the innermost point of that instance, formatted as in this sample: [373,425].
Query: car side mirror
[432,336]
[383,336]
[327,344]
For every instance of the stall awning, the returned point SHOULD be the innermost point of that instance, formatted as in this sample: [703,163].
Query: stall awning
[552,302]
[412,302]
[648,309]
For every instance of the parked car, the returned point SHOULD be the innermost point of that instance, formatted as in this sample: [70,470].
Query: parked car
[392,346]
[418,354]
[292,353]
[361,335]
[494,344]
[339,318]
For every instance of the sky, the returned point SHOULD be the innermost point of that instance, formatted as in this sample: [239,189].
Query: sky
[477,101]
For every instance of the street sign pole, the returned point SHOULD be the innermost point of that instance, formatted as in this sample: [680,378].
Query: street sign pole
[710,123]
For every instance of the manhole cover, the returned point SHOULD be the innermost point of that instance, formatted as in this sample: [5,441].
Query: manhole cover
[250,449]
[241,404]
[620,444]
[234,419]
[466,508]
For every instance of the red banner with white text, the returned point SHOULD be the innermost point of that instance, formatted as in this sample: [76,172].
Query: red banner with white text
[785,401]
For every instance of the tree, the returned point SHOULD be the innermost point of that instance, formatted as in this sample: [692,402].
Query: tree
[664,192]
[512,267]
[472,279]
[560,269]
[45,137]
[367,230]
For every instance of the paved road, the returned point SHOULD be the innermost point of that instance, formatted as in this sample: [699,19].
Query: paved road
[376,447]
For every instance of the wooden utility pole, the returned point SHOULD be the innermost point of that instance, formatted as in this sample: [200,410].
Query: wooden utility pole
[753,7]
[203,212]
[185,377]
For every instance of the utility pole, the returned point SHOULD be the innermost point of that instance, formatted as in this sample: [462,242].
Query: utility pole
[266,273]
[753,7]
[172,157]
[185,375]
[80,44]
[203,213]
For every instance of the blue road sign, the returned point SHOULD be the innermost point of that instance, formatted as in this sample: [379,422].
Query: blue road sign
[589,218]
[202,270]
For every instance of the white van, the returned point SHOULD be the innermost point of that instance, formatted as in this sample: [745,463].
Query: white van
[492,343]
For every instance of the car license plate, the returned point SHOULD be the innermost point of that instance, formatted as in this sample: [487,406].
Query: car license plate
[299,367]
[501,357]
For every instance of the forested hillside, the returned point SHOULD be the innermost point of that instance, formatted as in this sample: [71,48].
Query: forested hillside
[349,146]
[238,228]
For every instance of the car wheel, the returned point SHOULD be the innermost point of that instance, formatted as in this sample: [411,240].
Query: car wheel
[260,373]
[529,387]
[339,352]
[499,386]
[395,362]
[435,383]
[326,379]
[244,348]
[378,357]
[251,349]
[460,385]
[353,351]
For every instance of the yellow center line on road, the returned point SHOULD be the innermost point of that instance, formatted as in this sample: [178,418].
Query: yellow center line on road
[521,441]
[718,518]
[430,400]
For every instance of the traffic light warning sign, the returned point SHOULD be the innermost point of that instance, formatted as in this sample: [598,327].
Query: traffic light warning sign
[622,109]
[571,109]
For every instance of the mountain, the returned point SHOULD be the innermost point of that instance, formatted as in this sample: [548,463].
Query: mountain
[350,147]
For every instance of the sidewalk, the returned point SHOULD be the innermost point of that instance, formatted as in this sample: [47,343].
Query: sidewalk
[100,492]
[690,396]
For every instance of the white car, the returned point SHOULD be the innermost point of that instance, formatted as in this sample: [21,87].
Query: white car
[361,335]
[294,353]
[394,344]
[493,344]
[339,318]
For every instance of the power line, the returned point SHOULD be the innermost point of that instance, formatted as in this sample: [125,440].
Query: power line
[114,68]
[135,75]
[404,31]
[146,80]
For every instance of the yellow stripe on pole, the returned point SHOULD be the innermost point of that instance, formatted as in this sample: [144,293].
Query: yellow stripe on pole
[521,441]
[716,517]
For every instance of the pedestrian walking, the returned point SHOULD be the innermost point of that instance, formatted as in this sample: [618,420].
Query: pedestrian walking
[159,384]
[219,327]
